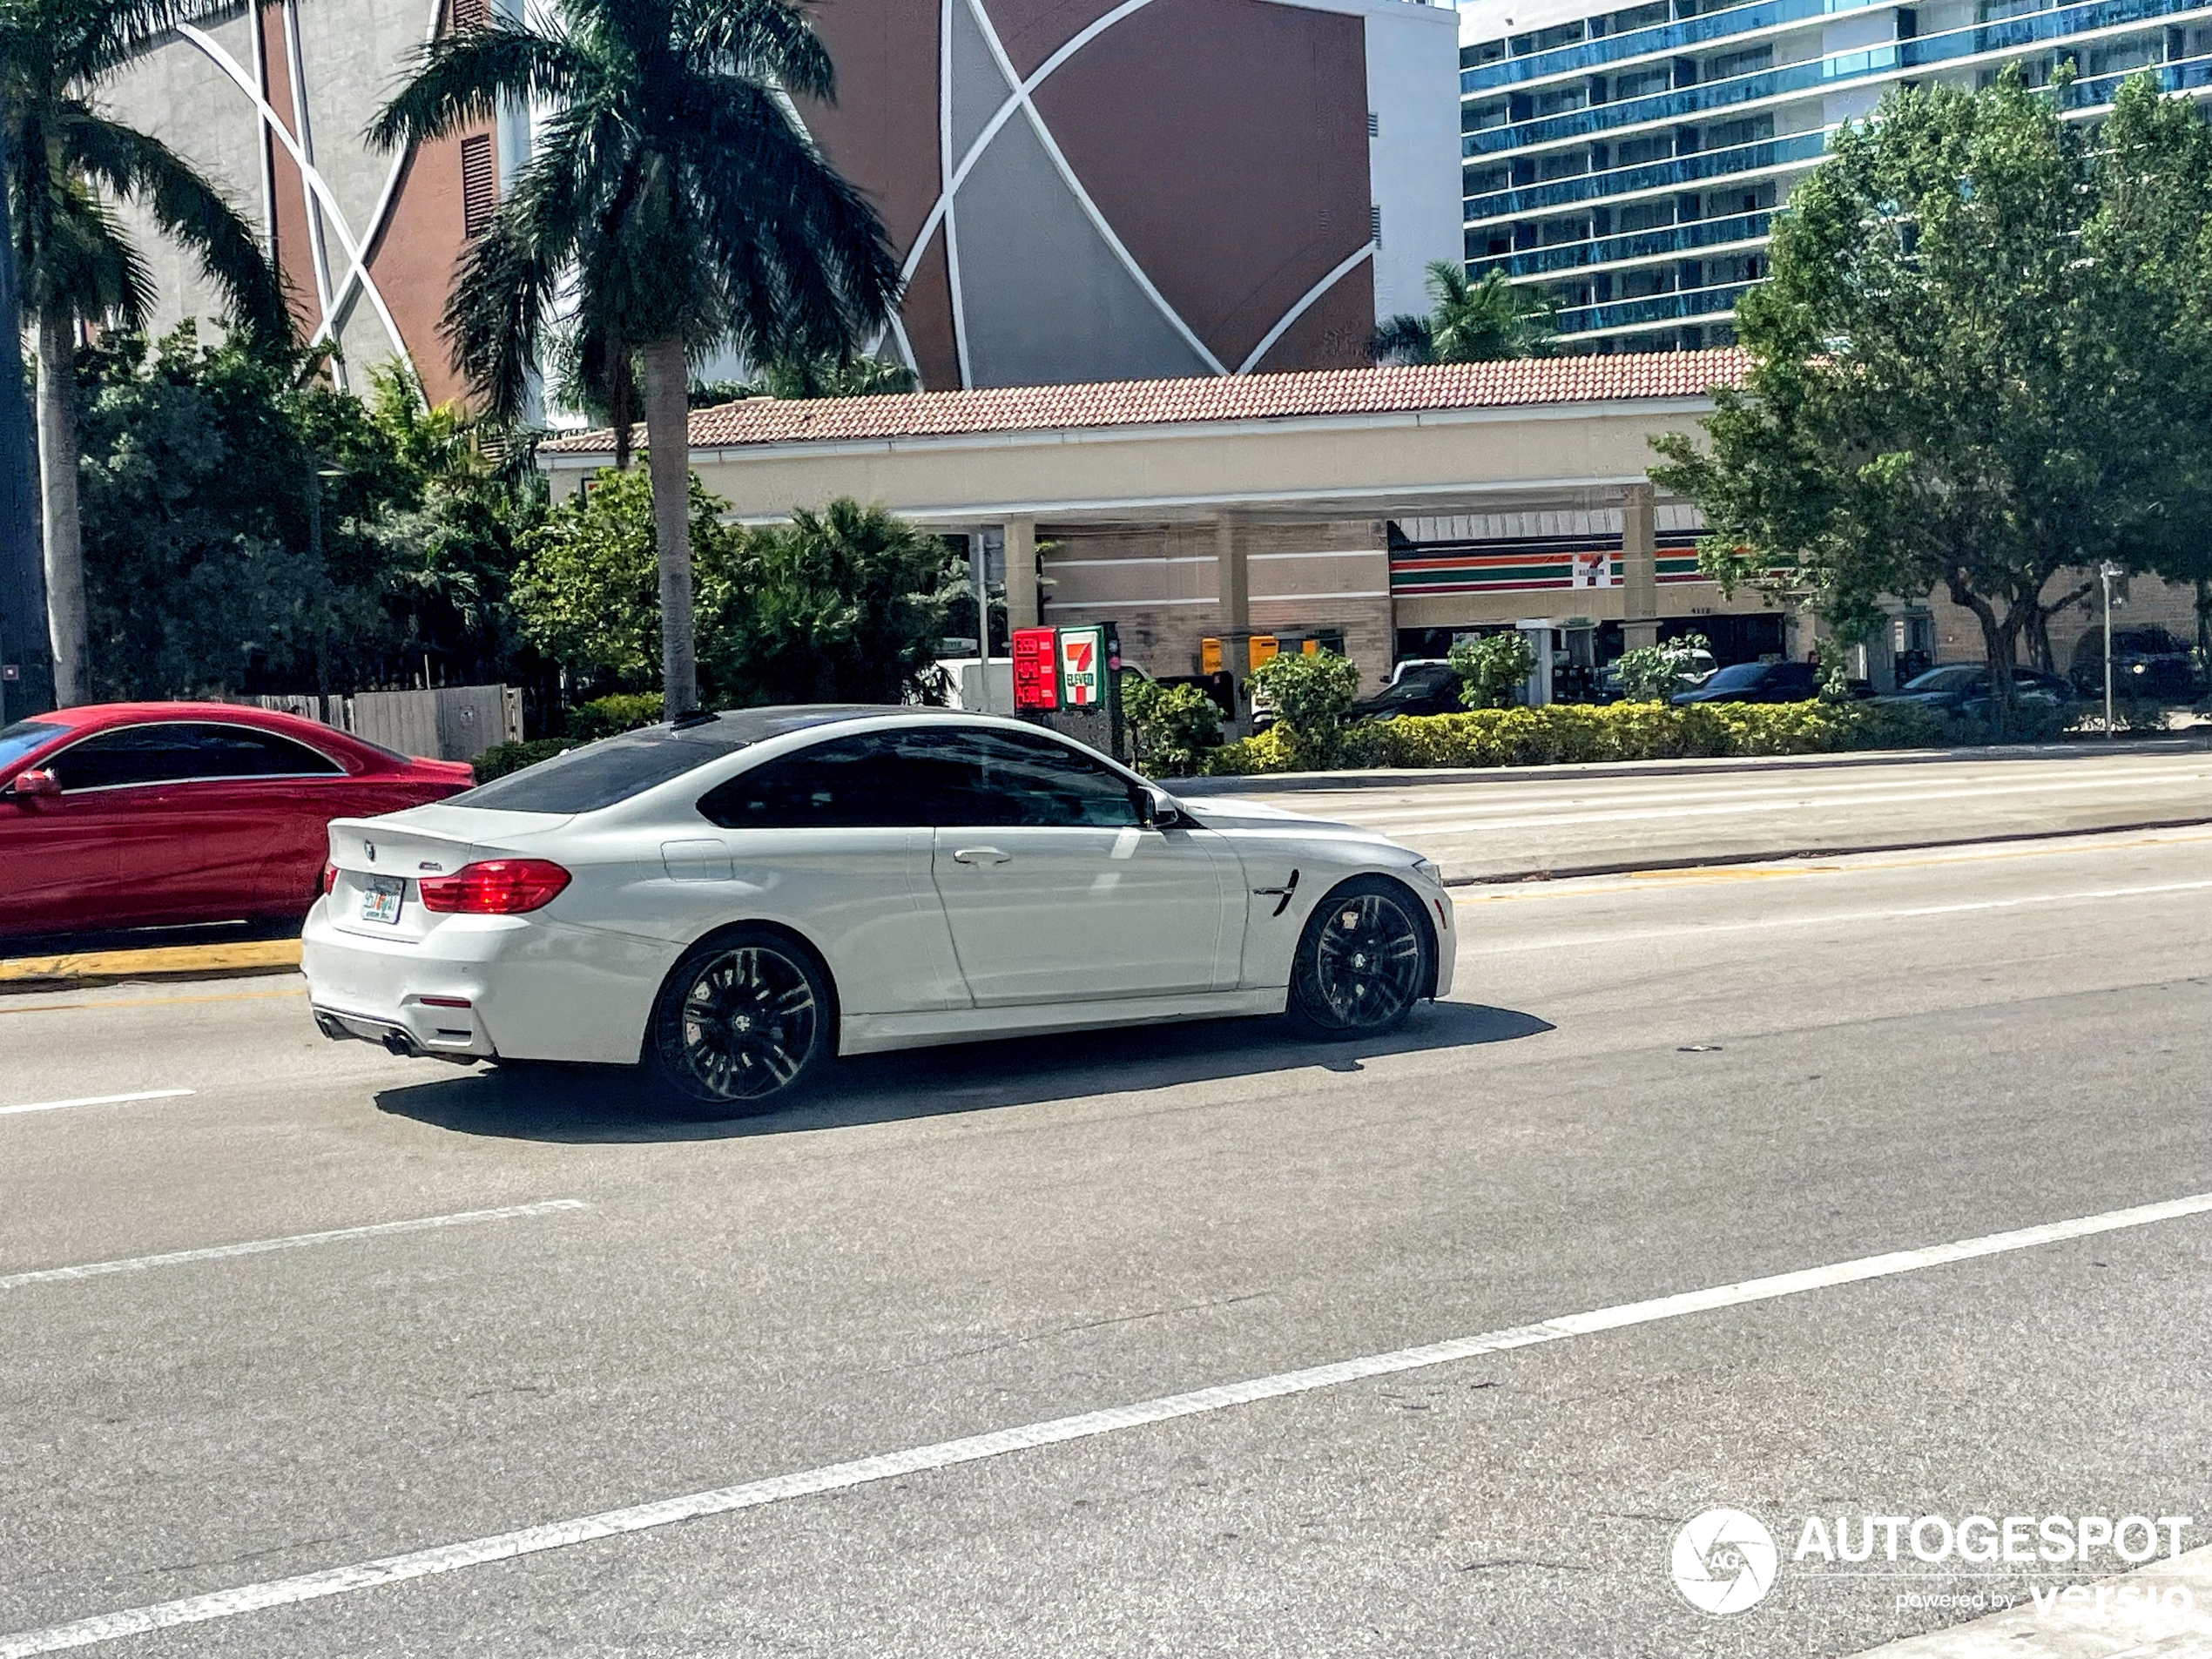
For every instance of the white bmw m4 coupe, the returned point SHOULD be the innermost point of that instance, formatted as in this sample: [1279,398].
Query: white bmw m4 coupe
[727,902]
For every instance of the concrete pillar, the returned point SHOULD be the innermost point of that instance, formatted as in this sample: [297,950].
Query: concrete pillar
[1639,569]
[1021,573]
[1233,586]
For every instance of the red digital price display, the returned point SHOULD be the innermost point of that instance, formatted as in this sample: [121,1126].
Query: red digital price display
[1036,669]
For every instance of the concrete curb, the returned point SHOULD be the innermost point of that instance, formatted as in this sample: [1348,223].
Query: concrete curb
[77,971]
[1403,777]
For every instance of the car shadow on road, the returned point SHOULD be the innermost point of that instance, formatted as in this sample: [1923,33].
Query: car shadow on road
[590,1104]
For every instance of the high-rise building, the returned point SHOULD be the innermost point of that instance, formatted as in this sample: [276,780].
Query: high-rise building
[1631,159]
[1080,190]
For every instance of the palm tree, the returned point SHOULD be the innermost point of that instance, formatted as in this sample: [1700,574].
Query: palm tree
[675,196]
[1471,321]
[66,160]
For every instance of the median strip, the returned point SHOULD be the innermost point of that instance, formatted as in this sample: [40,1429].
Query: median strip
[160,961]
[838,1477]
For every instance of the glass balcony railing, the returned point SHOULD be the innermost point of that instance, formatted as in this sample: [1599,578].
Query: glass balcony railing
[1655,175]
[2012,34]
[2188,75]
[1657,307]
[1639,43]
[1810,75]
[1670,241]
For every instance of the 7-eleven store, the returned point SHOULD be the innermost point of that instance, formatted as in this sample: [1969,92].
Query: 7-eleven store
[1382,511]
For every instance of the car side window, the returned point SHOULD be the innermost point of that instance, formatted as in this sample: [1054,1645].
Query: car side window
[1014,780]
[854,782]
[183,752]
[247,752]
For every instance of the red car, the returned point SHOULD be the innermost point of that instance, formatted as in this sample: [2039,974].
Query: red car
[146,814]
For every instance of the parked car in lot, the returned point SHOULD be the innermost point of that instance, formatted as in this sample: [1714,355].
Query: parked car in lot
[1963,689]
[1755,683]
[728,901]
[2146,662]
[145,814]
[1419,688]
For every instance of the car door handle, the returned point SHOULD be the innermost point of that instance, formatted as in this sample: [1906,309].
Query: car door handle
[981,855]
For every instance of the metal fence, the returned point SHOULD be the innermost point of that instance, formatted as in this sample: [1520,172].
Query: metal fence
[448,723]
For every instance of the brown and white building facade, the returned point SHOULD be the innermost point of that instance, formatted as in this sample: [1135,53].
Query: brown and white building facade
[1079,190]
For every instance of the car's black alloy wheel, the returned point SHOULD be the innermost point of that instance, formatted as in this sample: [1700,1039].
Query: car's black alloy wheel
[740,1025]
[1362,961]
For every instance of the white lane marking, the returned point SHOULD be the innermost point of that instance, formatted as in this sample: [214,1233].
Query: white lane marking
[1841,918]
[296,1241]
[93,1100]
[837,1477]
[1470,820]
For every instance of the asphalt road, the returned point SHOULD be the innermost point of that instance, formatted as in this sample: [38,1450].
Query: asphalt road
[1645,1087]
[1513,823]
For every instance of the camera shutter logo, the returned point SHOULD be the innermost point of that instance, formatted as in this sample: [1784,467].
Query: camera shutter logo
[1724,1562]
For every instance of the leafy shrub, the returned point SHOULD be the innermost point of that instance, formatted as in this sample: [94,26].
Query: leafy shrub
[1311,691]
[503,758]
[1564,732]
[603,717]
[1493,666]
[1174,724]
[1653,673]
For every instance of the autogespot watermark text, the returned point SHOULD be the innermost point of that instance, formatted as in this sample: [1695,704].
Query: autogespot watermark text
[1726,1560]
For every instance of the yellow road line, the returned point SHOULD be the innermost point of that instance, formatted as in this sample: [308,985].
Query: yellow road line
[166,959]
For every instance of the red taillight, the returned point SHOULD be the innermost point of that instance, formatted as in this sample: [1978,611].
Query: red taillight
[329,877]
[494,887]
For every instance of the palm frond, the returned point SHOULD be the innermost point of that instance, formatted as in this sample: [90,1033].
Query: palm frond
[90,268]
[89,39]
[136,167]
[462,80]
[1403,338]
[759,40]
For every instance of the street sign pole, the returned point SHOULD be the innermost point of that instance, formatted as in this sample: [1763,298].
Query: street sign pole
[25,648]
[2105,574]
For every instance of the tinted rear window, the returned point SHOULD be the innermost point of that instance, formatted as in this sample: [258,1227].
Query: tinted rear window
[601,774]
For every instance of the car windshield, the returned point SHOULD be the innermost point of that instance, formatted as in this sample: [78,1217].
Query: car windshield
[1731,679]
[600,774]
[24,736]
[1958,677]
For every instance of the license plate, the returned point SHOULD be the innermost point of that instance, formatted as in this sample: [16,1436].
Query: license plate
[380,898]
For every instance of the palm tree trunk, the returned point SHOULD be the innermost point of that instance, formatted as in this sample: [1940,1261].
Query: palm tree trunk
[668,461]
[58,489]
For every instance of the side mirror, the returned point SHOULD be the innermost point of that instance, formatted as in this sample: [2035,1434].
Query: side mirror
[35,783]
[1156,809]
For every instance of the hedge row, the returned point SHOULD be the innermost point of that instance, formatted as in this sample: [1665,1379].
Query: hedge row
[1572,732]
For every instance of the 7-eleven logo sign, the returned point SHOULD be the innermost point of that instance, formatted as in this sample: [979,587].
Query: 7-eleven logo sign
[1082,667]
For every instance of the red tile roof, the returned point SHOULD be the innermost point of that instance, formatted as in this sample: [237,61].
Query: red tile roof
[1508,384]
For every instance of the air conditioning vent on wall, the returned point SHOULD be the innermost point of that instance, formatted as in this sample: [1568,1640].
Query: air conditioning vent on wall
[1374,223]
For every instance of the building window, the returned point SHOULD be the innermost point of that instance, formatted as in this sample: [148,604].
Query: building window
[479,184]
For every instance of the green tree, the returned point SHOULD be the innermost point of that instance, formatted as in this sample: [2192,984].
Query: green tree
[1311,690]
[1492,668]
[846,605]
[587,592]
[67,161]
[201,570]
[675,196]
[1948,384]
[1470,320]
